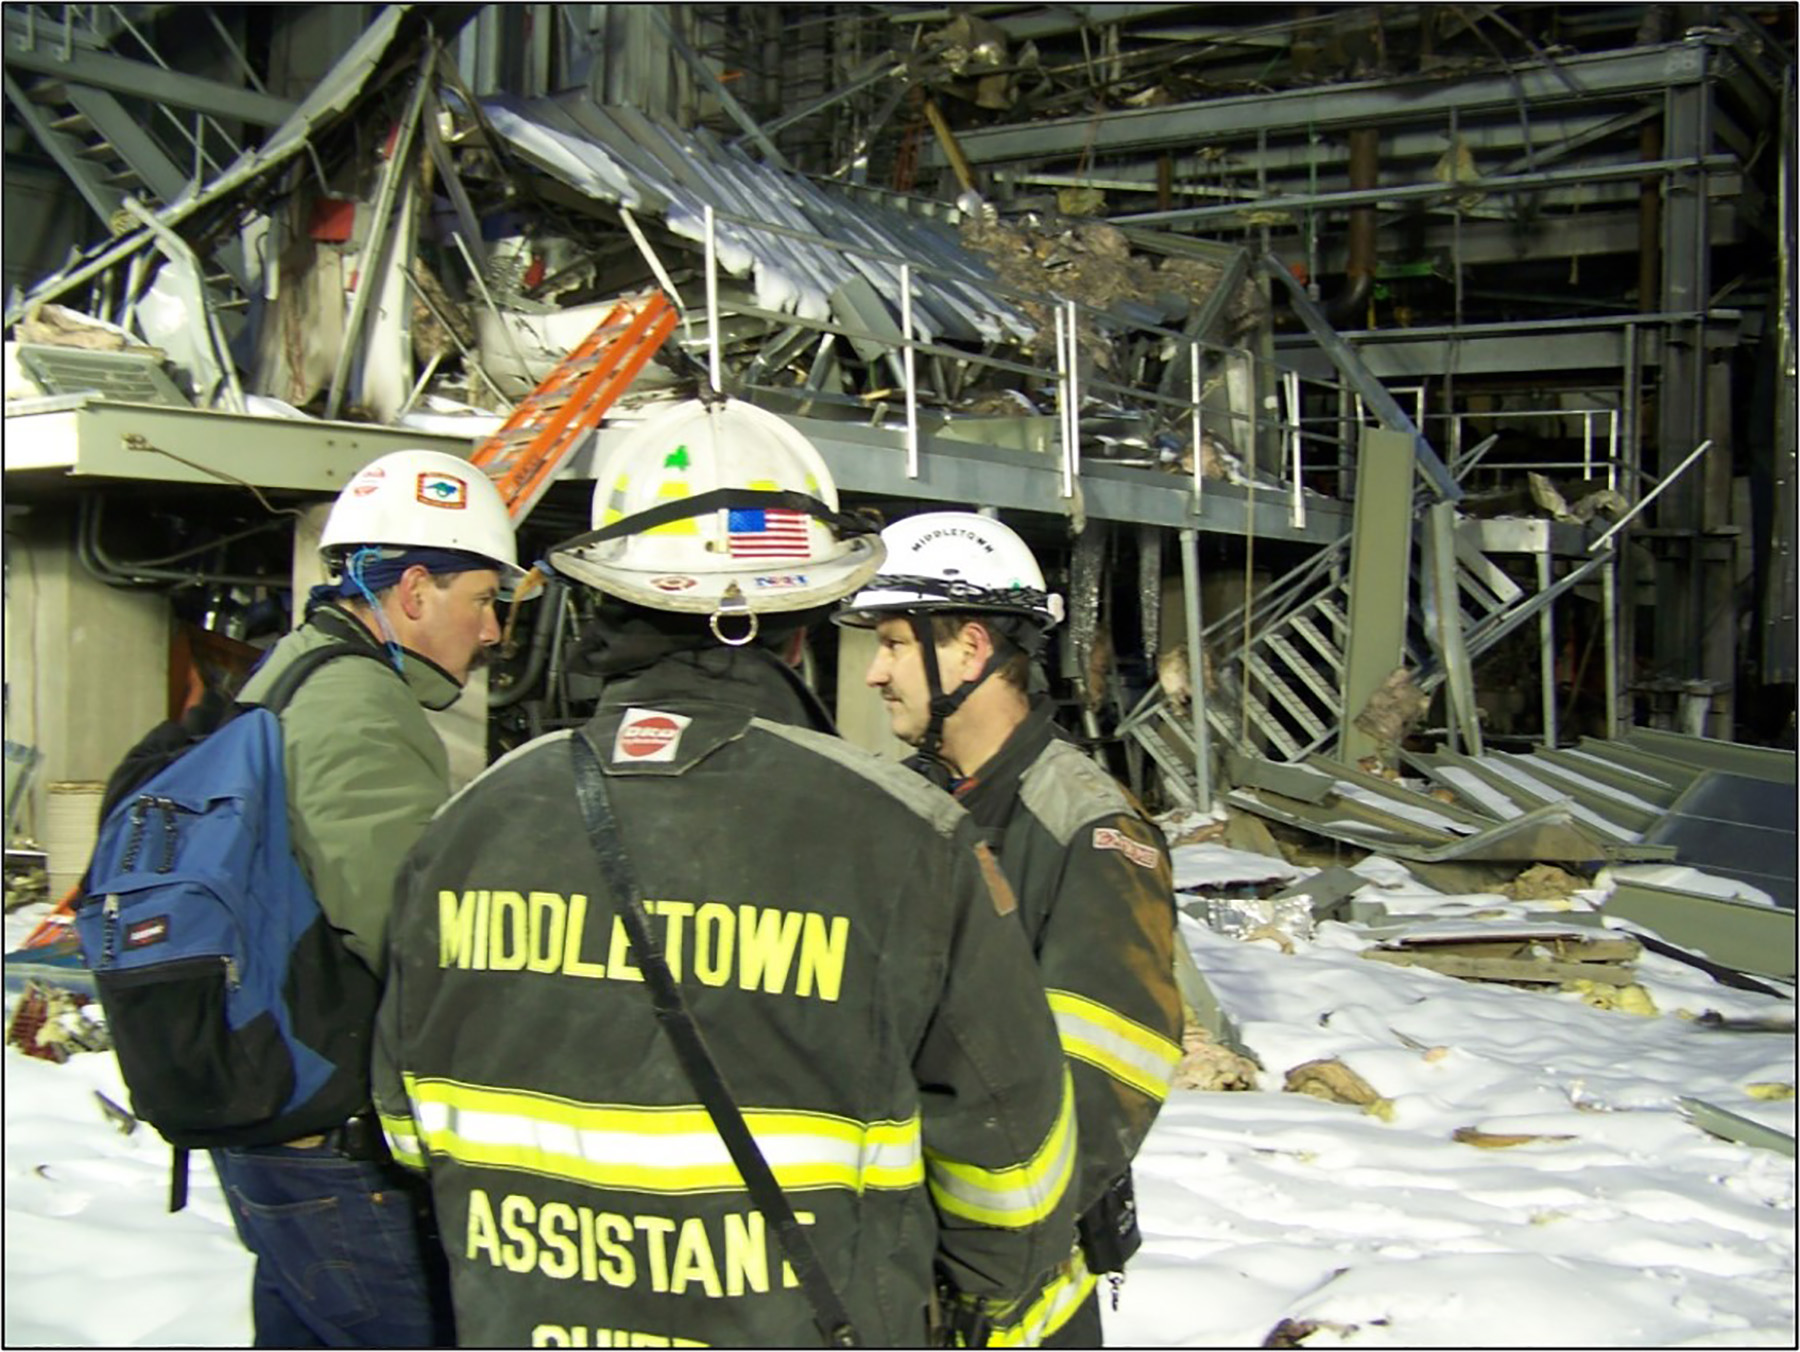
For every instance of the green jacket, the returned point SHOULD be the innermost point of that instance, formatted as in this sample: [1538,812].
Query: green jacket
[365,770]
[850,957]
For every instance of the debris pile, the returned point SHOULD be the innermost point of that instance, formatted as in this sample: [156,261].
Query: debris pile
[52,1023]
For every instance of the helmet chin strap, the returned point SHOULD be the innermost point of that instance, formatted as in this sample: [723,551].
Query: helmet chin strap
[930,760]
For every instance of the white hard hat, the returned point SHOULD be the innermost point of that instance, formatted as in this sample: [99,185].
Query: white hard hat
[423,500]
[960,562]
[721,507]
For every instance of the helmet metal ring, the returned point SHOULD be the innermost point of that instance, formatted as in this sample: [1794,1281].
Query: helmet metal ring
[718,633]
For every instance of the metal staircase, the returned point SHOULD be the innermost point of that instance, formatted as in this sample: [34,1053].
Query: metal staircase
[1279,695]
[117,118]
[1277,664]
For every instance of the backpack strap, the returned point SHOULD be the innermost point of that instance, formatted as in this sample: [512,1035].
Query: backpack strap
[696,1058]
[289,681]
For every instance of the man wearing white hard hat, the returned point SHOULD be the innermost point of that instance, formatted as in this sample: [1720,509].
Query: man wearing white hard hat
[593,1034]
[960,612]
[421,547]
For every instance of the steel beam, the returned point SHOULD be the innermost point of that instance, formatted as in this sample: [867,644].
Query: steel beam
[1581,175]
[96,439]
[105,71]
[1637,70]
[1374,394]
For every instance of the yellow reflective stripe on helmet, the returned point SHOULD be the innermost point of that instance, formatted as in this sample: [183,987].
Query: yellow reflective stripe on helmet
[670,491]
[665,1150]
[1052,1308]
[1124,1049]
[1014,1197]
[403,1140]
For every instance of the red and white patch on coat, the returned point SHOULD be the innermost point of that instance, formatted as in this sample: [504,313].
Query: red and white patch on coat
[1106,838]
[648,735]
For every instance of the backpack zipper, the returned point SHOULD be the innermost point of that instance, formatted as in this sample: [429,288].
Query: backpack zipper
[140,810]
[109,918]
[171,834]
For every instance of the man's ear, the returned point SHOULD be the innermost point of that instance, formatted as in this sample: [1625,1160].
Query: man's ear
[411,590]
[975,645]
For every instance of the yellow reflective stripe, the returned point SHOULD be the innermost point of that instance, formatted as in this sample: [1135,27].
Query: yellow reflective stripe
[664,1150]
[1014,1197]
[1051,1310]
[1126,1050]
[403,1140]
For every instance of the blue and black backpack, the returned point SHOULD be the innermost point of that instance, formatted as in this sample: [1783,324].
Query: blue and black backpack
[238,1015]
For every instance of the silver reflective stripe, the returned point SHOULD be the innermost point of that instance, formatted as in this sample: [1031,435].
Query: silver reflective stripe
[1015,1197]
[1124,1049]
[675,1150]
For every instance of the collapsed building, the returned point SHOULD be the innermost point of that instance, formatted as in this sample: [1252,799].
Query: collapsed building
[1382,384]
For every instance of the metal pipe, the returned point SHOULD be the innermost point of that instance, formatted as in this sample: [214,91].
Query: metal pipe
[549,610]
[1359,267]
[124,573]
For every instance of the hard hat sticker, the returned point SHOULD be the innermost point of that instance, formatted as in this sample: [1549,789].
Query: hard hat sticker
[648,735]
[779,580]
[757,532]
[443,490]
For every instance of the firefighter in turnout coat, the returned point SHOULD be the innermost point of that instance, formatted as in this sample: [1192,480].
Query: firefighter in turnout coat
[960,611]
[869,997]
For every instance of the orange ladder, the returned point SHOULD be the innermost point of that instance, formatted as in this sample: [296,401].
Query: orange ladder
[524,455]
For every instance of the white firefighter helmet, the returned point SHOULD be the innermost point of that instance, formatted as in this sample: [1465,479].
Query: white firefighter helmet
[718,509]
[961,562]
[422,500]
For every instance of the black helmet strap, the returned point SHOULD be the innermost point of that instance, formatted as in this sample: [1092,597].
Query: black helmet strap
[942,705]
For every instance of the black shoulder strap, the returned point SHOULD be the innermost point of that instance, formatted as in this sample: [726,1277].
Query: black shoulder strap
[696,1060]
[303,666]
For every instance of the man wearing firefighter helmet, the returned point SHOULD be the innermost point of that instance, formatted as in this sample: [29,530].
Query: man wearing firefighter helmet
[868,1002]
[960,612]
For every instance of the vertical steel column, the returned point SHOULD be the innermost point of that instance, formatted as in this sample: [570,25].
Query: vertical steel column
[1190,587]
[1682,422]
[1547,645]
[912,385]
[1198,444]
[1380,565]
[712,301]
[1609,608]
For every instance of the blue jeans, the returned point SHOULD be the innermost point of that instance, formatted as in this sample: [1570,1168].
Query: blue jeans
[344,1257]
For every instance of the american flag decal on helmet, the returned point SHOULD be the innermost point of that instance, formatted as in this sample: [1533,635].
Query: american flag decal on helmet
[763,533]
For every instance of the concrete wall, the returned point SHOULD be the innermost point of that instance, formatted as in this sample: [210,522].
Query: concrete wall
[86,665]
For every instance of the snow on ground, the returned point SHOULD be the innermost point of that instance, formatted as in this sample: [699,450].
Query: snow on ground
[1618,1224]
